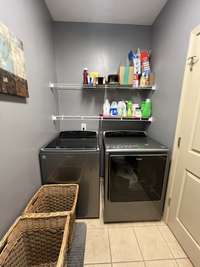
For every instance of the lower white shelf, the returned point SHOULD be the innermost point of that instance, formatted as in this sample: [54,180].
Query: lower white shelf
[72,117]
[96,118]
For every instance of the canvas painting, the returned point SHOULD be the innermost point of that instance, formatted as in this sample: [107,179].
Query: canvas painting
[13,79]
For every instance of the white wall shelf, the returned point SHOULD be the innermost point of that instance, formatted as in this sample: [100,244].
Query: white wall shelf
[56,87]
[81,87]
[96,118]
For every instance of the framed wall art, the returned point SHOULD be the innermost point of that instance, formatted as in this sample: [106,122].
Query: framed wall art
[13,79]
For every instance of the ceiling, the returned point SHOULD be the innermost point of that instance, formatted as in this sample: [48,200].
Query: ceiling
[138,12]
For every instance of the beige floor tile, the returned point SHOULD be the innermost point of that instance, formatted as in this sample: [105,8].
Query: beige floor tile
[184,263]
[98,223]
[129,264]
[152,244]
[135,224]
[173,244]
[124,245]
[160,223]
[97,246]
[98,265]
[153,223]
[162,263]
[120,225]
[92,223]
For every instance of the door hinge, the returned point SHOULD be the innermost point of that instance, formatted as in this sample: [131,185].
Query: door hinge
[192,61]
[179,142]
[169,201]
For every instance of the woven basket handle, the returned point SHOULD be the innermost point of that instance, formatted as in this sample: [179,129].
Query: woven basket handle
[34,201]
[3,245]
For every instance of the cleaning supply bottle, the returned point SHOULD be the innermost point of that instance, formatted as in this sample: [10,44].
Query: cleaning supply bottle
[113,109]
[137,62]
[85,76]
[129,108]
[146,108]
[136,81]
[106,108]
[120,108]
[124,111]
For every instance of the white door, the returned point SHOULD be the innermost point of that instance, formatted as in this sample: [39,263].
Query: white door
[184,211]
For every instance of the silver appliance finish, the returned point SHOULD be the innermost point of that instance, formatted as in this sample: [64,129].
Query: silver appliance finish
[136,170]
[73,157]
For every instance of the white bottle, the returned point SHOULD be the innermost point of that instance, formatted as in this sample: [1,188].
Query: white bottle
[124,111]
[120,108]
[106,108]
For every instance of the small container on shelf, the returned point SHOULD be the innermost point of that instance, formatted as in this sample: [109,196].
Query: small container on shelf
[136,81]
[126,75]
[106,108]
[100,80]
[85,76]
[113,79]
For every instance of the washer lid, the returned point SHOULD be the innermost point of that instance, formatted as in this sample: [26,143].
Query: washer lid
[75,140]
[77,134]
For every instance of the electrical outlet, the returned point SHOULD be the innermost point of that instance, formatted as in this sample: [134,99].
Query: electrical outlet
[83,126]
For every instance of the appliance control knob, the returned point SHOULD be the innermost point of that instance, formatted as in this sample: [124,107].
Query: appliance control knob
[44,157]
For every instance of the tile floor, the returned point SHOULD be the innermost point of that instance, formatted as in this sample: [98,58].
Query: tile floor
[149,244]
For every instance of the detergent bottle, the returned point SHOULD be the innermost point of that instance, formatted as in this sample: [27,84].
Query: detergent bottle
[129,108]
[146,109]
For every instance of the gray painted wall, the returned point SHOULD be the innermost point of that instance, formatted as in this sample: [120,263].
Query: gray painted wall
[171,33]
[25,126]
[100,47]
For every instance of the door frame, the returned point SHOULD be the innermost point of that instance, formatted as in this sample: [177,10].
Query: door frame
[176,150]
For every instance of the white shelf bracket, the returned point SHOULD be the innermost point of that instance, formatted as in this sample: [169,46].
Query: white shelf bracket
[54,118]
[51,85]
[154,87]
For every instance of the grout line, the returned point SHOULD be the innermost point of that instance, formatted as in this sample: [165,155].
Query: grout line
[154,259]
[134,232]
[98,263]
[166,242]
[114,262]
[102,263]
[161,260]
[177,263]
[186,257]
[108,226]
[129,262]
[145,261]
[110,247]
[117,262]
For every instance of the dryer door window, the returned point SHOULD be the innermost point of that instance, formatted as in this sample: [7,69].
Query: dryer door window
[136,177]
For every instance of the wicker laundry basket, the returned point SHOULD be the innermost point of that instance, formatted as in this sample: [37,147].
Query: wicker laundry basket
[36,242]
[55,198]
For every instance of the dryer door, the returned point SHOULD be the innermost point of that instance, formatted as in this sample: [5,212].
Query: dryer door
[136,177]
